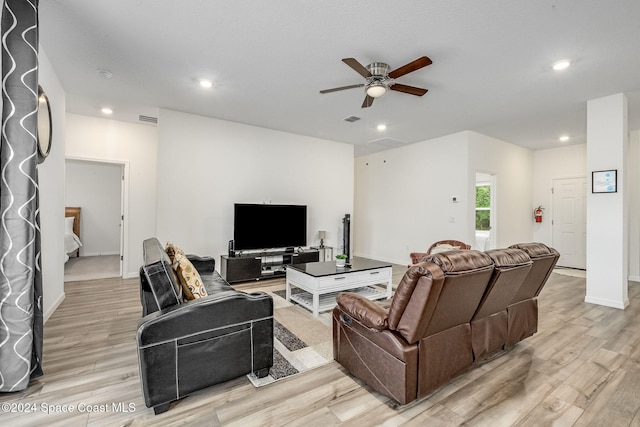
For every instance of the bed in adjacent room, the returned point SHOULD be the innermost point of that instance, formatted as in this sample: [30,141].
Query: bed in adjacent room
[72,240]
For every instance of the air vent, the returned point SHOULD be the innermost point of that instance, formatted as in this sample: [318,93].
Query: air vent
[351,119]
[148,119]
[388,142]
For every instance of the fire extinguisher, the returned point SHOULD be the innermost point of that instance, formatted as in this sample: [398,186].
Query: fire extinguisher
[537,213]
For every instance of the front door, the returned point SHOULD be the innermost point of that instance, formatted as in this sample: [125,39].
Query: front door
[569,222]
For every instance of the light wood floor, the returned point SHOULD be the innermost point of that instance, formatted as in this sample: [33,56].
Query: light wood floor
[581,368]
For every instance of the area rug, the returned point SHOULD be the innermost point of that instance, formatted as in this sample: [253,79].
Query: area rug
[301,342]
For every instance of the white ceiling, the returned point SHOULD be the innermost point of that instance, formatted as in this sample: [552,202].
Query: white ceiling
[491,70]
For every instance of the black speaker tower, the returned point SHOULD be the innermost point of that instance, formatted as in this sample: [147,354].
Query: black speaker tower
[346,233]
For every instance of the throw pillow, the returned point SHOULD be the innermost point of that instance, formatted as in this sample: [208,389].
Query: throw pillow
[68,225]
[171,251]
[190,280]
[445,247]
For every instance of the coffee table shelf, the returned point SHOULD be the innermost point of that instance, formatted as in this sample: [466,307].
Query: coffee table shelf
[328,301]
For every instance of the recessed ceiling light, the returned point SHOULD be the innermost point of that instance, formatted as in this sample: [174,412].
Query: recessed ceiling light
[107,110]
[563,138]
[382,127]
[205,83]
[561,65]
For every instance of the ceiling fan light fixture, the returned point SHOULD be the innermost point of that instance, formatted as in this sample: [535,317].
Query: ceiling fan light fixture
[376,90]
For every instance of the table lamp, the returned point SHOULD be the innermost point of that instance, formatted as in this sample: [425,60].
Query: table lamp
[322,235]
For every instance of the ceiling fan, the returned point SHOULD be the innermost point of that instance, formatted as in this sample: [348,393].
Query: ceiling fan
[379,79]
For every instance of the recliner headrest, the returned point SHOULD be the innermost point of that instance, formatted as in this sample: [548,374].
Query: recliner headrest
[535,250]
[460,261]
[511,257]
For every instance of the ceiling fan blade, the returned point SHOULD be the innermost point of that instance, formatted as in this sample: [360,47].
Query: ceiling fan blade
[335,89]
[360,69]
[411,66]
[368,101]
[408,89]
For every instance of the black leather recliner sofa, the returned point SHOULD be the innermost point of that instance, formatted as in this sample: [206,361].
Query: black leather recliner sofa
[187,346]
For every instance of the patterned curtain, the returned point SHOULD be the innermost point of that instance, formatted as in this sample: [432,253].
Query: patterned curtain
[20,274]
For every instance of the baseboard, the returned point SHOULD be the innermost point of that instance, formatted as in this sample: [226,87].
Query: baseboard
[53,308]
[98,253]
[130,275]
[634,278]
[607,302]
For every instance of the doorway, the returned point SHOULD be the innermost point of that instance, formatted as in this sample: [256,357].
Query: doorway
[97,187]
[485,217]
[569,221]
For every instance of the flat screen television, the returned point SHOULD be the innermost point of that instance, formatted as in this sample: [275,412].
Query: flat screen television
[269,226]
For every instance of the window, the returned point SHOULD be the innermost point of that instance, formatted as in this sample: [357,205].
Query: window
[483,206]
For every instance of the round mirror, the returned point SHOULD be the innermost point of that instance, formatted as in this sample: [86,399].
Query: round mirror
[44,125]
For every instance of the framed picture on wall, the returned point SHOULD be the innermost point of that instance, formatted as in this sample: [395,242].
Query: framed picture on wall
[604,181]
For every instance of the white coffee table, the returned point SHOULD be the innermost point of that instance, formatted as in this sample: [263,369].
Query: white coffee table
[322,281]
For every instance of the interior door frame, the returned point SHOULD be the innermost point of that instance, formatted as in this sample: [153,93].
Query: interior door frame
[124,205]
[493,208]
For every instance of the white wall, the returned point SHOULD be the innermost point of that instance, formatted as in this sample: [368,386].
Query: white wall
[135,146]
[51,179]
[608,214]
[404,196]
[633,184]
[554,163]
[571,162]
[96,187]
[206,165]
[512,166]
[403,199]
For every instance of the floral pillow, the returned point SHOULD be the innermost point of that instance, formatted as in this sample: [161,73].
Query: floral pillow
[190,280]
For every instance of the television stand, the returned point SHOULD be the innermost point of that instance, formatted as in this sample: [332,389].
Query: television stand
[263,265]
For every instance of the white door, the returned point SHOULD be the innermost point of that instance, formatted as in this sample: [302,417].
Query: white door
[569,222]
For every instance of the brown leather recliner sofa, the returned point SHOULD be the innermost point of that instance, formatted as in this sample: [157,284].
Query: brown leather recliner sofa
[449,312]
